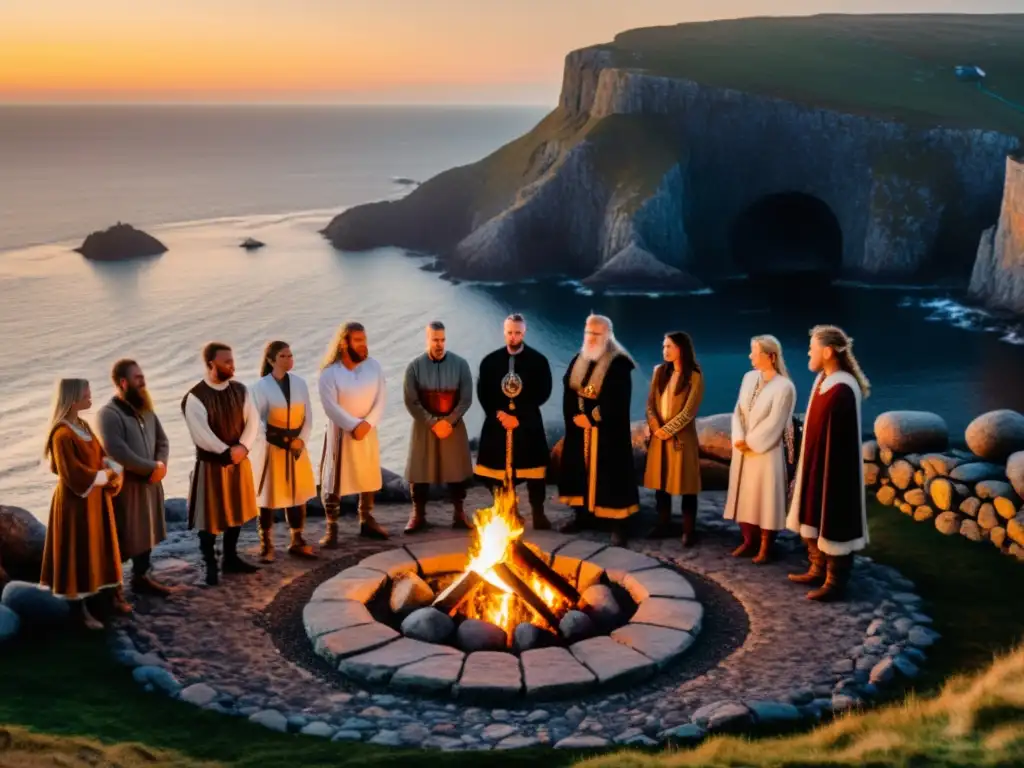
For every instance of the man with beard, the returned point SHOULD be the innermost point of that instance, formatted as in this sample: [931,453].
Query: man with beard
[828,509]
[223,422]
[596,474]
[132,435]
[514,382]
[352,392]
[438,390]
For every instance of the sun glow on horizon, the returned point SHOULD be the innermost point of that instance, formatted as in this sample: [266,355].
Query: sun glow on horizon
[326,50]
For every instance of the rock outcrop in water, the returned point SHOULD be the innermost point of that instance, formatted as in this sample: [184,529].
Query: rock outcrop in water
[120,243]
[998,277]
[640,179]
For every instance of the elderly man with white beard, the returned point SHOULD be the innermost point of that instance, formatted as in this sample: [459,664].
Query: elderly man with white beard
[596,474]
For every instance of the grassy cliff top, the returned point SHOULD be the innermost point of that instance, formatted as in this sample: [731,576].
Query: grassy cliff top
[896,67]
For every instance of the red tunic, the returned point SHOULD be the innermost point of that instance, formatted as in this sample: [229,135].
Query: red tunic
[830,505]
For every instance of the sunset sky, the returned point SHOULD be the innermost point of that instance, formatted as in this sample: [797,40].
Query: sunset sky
[349,51]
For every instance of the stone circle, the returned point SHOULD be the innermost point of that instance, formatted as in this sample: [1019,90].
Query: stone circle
[665,625]
[241,649]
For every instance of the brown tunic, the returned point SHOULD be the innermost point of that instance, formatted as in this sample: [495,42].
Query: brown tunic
[222,495]
[81,554]
[673,465]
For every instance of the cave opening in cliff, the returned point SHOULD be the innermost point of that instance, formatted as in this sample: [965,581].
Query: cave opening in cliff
[788,234]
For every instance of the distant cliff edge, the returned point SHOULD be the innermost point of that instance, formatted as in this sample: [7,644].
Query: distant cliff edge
[998,277]
[657,172]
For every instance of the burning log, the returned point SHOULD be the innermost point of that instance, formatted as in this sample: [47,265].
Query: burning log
[522,589]
[458,592]
[524,557]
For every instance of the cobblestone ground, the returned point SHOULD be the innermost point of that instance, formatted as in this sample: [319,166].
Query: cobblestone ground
[794,659]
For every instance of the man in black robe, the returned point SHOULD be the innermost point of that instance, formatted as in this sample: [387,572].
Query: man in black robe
[596,475]
[828,507]
[514,382]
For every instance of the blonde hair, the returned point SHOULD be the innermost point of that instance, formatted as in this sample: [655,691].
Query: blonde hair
[836,339]
[339,342]
[772,347]
[65,395]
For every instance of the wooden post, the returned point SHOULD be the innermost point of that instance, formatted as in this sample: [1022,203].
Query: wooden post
[524,557]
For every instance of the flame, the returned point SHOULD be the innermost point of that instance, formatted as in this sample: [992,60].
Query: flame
[495,530]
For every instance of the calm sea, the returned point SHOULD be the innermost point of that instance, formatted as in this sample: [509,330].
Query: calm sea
[203,178]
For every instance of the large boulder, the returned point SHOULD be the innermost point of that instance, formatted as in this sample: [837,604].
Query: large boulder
[35,604]
[1015,472]
[995,435]
[120,243]
[22,538]
[912,432]
[714,433]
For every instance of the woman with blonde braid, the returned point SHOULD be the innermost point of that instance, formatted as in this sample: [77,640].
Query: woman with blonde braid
[81,556]
[828,509]
[762,432]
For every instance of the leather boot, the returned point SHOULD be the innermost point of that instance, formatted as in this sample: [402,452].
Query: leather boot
[231,562]
[836,577]
[689,537]
[580,521]
[537,493]
[750,541]
[619,536]
[764,554]
[368,527]
[266,535]
[540,519]
[459,515]
[663,506]
[142,582]
[206,546]
[815,573]
[418,519]
[332,510]
[119,604]
[296,519]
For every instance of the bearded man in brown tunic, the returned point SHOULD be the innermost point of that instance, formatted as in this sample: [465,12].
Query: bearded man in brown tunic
[828,508]
[223,422]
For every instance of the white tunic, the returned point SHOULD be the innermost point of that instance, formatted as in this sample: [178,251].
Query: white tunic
[757,479]
[198,423]
[349,396]
[283,486]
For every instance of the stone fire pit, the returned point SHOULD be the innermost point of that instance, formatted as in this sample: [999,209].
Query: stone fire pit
[376,624]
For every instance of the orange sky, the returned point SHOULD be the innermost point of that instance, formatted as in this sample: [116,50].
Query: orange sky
[355,51]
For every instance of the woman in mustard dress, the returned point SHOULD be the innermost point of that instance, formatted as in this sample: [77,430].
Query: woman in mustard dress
[673,453]
[81,555]
[280,462]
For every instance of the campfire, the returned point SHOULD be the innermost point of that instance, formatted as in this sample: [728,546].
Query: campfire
[504,582]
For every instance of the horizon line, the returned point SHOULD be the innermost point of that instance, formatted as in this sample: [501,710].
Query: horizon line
[460,104]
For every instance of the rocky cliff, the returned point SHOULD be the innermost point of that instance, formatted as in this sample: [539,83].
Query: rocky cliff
[998,276]
[640,178]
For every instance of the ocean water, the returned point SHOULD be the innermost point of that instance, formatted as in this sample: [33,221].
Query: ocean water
[64,316]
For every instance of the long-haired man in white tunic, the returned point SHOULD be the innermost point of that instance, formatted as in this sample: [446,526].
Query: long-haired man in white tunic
[352,392]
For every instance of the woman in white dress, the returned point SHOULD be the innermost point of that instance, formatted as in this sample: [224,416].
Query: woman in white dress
[762,432]
[280,462]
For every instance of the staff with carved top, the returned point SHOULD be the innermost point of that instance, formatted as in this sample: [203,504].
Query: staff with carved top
[514,382]
[596,477]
